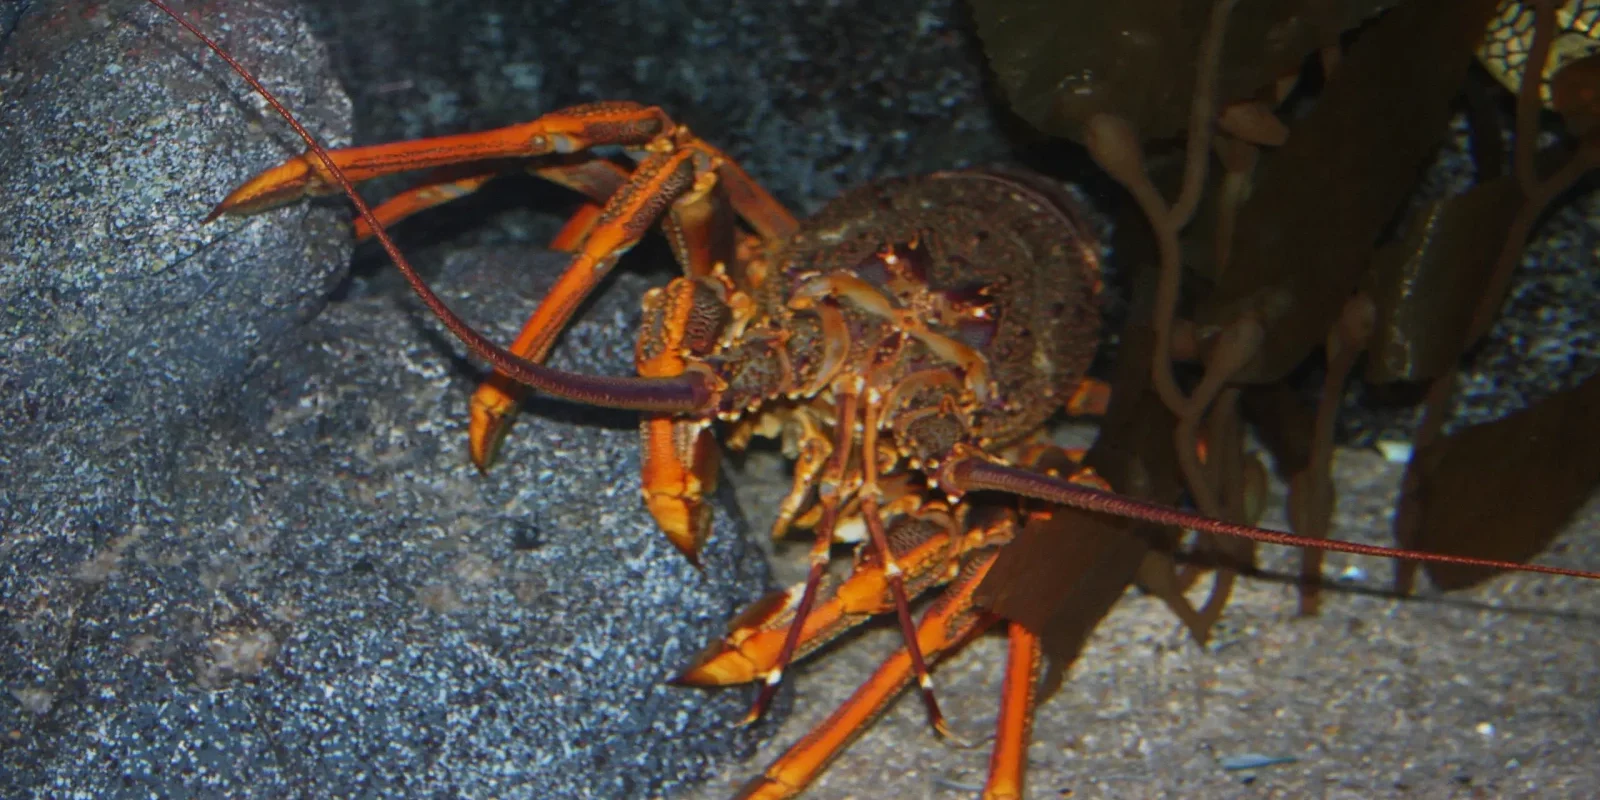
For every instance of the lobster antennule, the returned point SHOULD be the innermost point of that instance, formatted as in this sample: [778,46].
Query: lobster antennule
[690,393]
[970,472]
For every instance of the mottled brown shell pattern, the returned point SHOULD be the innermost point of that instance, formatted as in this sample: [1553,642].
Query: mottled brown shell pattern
[1012,244]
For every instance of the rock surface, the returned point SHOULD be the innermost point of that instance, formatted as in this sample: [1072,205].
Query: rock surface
[123,316]
[813,98]
[243,553]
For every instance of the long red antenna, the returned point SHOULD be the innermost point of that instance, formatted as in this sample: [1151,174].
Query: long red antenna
[972,474]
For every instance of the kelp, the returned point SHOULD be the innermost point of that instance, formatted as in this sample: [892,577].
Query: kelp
[1061,62]
[1426,285]
[1302,260]
[1062,580]
[1575,88]
[1504,489]
[1575,92]
[1306,235]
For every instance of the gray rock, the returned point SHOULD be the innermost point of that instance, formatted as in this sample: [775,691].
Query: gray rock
[500,635]
[123,316]
[813,98]
[243,553]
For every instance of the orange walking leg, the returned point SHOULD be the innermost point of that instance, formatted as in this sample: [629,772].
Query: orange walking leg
[569,130]
[418,199]
[1008,761]
[829,496]
[594,178]
[891,566]
[947,624]
[928,548]
[495,401]
[628,214]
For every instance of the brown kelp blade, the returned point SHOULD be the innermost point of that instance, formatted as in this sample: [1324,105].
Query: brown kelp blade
[1282,419]
[1426,286]
[1064,61]
[1060,585]
[1321,202]
[1575,93]
[1504,490]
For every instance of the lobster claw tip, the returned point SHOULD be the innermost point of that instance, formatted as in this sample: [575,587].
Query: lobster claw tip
[687,523]
[690,552]
[718,665]
[692,677]
[490,409]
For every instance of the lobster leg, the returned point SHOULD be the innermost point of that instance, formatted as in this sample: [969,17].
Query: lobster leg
[1008,761]
[1025,659]
[594,178]
[700,228]
[496,398]
[755,205]
[926,542]
[680,463]
[829,495]
[870,494]
[811,454]
[967,564]
[628,214]
[569,130]
[681,456]
[948,623]
[420,198]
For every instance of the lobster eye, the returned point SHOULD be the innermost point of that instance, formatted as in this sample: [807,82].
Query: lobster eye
[896,260]
[978,332]
[873,270]
[968,295]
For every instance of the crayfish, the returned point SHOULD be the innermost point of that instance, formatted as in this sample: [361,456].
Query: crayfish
[907,345]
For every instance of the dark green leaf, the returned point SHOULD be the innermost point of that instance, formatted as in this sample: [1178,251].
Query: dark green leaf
[1307,234]
[1426,287]
[1505,489]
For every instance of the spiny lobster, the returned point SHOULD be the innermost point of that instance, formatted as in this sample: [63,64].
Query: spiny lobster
[907,344]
